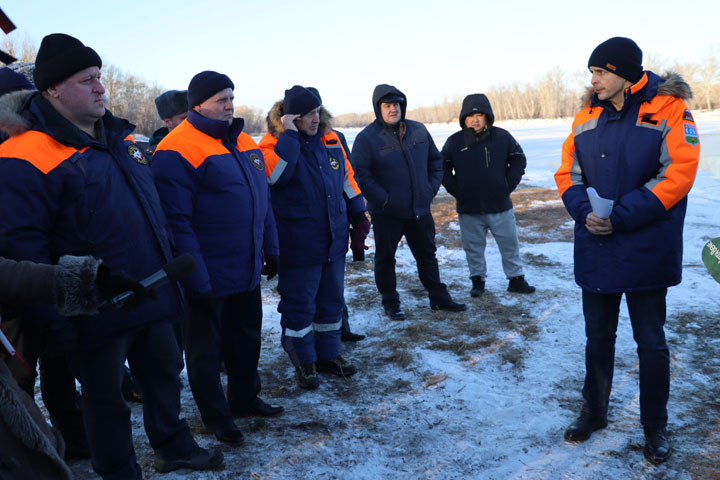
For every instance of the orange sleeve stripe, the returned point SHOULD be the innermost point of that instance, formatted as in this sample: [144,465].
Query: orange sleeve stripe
[194,145]
[679,175]
[562,176]
[267,146]
[39,149]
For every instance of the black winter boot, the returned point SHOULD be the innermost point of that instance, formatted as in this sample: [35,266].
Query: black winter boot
[478,287]
[519,285]
[657,448]
[581,429]
[307,376]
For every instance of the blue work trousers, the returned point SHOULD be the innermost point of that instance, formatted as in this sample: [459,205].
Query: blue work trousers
[647,316]
[311,304]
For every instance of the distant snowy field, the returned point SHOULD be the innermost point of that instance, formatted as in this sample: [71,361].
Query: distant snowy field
[486,394]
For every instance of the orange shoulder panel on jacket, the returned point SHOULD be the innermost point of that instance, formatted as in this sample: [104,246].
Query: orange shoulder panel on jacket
[39,149]
[194,145]
[245,142]
[267,146]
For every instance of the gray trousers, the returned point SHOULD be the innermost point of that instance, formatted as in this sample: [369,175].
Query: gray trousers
[473,232]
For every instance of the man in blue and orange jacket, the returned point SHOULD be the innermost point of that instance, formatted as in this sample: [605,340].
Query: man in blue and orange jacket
[636,144]
[211,179]
[74,182]
[313,193]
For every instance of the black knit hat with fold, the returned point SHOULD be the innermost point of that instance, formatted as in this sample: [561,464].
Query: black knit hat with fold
[620,56]
[299,101]
[206,84]
[61,56]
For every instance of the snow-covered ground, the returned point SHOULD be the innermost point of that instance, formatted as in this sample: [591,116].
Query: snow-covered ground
[486,394]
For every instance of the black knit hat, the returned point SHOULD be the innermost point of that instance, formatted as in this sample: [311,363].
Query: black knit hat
[315,91]
[60,56]
[620,56]
[11,81]
[299,101]
[171,103]
[206,84]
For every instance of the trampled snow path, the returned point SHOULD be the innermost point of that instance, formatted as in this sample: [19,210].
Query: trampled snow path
[486,394]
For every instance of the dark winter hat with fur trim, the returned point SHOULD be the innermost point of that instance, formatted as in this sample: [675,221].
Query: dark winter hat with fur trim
[60,56]
[171,103]
[206,84]
[299,101]
[620,56]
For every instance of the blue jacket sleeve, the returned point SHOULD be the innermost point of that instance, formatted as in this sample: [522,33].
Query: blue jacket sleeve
[176,181]
[288,149]
[435,166]
[29,203]
[362,155]
[271,246]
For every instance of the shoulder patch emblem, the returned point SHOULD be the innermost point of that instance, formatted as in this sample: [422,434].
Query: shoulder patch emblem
[687,116]
[691,135]
[257,161]
[334,163]
[137,154]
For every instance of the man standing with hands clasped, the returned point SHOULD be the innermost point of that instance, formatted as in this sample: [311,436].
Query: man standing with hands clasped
[635,142]
[211,179]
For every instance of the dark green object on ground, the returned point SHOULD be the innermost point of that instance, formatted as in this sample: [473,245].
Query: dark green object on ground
[711,257]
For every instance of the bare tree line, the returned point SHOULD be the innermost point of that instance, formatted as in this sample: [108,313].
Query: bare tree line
[553,95]
[557,95]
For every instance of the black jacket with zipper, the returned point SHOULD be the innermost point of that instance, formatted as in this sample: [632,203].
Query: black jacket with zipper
[481,169]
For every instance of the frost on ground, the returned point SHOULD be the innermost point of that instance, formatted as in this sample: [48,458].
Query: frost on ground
[486,393]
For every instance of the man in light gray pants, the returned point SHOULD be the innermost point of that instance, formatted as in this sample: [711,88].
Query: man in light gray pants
[482,165]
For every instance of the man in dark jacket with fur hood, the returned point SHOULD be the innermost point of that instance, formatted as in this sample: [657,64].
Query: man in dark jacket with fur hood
[399,170]
[482,165]
[634,144]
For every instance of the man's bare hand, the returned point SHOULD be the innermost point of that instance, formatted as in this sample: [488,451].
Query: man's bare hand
[288,121]
[597,225]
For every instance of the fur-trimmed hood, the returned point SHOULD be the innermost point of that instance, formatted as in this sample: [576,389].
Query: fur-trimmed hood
[12,122]
[671,84]
[275,127]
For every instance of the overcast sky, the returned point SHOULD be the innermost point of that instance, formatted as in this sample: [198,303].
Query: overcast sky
[431,50]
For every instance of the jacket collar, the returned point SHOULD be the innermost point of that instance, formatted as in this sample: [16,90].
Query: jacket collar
[223,131]
[46,119]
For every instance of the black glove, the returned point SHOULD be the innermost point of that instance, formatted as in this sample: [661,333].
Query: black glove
[272,262]
[110,284]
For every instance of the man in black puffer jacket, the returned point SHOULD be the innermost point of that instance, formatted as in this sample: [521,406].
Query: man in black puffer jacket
[482,165]
[399,170]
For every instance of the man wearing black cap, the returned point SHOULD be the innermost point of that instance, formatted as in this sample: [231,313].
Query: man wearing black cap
[482,165]
[173,109]
[400,170]
[358,233]
[313,194]
[627,168]
[73,181]
[211,179]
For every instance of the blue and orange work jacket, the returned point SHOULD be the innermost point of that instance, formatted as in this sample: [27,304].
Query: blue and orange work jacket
[313,189]
[64,192]
[644,158]
[211,180]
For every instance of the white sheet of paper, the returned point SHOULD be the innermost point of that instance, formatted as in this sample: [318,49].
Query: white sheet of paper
[601,206]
